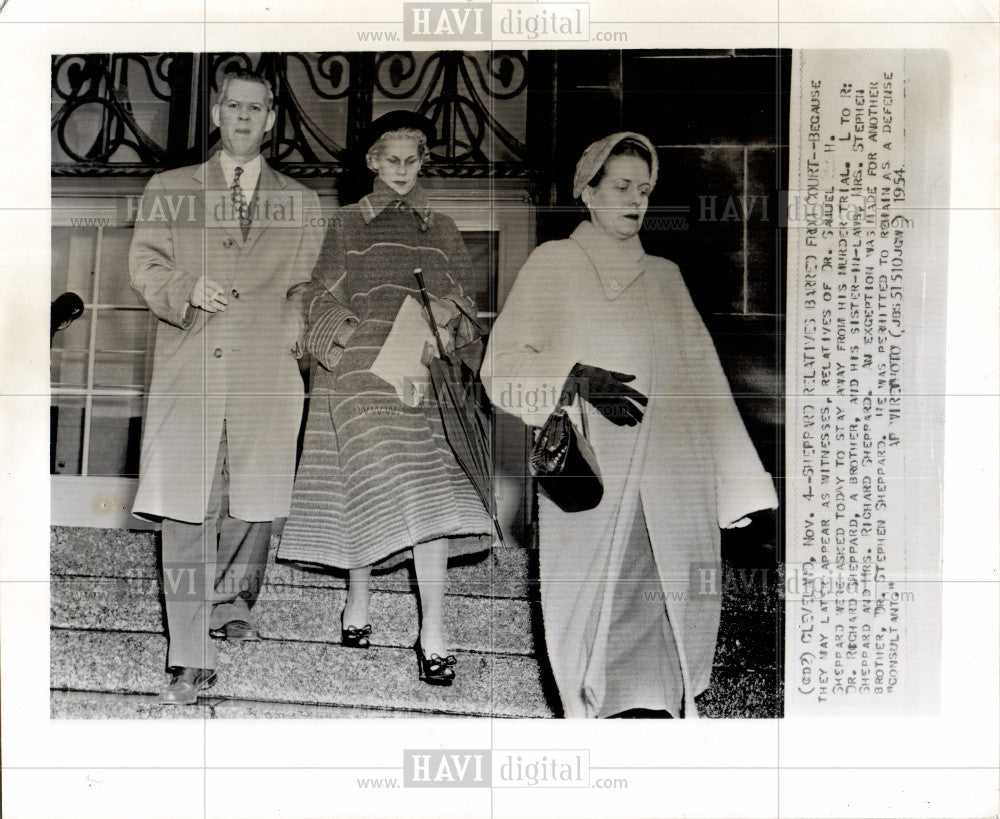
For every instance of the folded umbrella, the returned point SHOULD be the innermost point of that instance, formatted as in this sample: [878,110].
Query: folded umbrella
[464,413]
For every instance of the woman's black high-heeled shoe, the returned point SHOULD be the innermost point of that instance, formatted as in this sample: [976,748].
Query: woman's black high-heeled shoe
[435,670]
[354,637]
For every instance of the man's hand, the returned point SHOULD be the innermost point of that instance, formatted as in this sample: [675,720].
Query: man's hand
[609,393]
[209,296]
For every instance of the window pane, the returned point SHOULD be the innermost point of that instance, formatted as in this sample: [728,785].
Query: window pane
[68,360]
[65,434]
[482,248]
[115,429]
[76,336]
[73,254]
[68,368]
[120,369]
[116,287]
[119,330]
[121,354]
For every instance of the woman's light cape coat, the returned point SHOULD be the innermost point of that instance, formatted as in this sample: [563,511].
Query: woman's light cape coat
[690,462]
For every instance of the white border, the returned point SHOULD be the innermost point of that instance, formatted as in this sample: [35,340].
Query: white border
[945,766]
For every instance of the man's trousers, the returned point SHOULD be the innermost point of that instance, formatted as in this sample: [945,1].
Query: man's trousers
[212,572]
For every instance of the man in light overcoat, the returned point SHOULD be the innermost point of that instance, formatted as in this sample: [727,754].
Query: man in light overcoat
[216,250]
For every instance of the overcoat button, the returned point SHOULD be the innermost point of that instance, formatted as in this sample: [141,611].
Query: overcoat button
[614,284]
[236,293]
[218,352]
[227,243]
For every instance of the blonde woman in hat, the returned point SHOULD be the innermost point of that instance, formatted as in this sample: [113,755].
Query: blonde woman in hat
[625,629]
[377,482]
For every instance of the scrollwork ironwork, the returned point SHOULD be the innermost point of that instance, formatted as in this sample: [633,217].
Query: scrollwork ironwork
[450,87]
[103,81]
[505,67]
[95,126]
[397,67]
[331,66]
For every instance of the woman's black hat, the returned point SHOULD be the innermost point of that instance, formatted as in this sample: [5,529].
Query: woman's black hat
[393,121]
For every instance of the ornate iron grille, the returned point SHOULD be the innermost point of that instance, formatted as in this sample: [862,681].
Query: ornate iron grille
[134,114]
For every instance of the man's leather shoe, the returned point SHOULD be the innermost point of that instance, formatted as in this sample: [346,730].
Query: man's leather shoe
[236,631]
[185,685]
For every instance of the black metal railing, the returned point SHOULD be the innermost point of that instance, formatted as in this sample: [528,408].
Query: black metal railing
[134,114]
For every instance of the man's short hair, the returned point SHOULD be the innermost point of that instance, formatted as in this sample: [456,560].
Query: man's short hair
[238,73]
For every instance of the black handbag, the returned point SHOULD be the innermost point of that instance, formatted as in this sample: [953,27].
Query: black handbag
[564,464]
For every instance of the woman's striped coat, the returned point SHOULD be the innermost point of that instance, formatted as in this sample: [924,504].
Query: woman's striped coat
[377,477]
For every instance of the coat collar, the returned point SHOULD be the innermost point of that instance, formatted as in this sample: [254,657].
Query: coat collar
[251,169]
[210,173]
[382,196]
[618,264]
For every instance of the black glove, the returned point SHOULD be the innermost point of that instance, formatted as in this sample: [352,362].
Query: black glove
[65,310]
[609,393]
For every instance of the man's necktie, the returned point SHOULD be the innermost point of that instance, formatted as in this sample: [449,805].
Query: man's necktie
[240,202]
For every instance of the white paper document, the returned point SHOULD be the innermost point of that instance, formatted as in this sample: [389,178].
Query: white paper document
[399,361]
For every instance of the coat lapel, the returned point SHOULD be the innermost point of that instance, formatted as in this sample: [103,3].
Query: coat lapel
[270,204]
[218,208]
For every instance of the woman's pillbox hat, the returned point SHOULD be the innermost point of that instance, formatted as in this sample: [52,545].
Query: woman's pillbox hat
[593,159]
[393,121]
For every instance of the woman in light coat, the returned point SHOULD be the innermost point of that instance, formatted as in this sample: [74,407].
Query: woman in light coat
[630,622]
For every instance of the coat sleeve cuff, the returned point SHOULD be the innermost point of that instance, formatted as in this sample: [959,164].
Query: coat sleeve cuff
[187,317]
[531,396]
[741,495]
[321,340]
[179,301]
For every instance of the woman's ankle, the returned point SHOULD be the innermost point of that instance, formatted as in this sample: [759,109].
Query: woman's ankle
[355,614]
[434,641]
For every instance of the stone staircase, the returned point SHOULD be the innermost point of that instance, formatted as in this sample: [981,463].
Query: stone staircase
[108,646]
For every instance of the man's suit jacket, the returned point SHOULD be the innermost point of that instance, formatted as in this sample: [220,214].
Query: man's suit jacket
[234,367]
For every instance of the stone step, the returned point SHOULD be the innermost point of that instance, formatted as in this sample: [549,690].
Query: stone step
[312,615]
[509,572]
[748,640]
[102,705]
[79,551]
[90,680]
[304,674]
[105,596]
